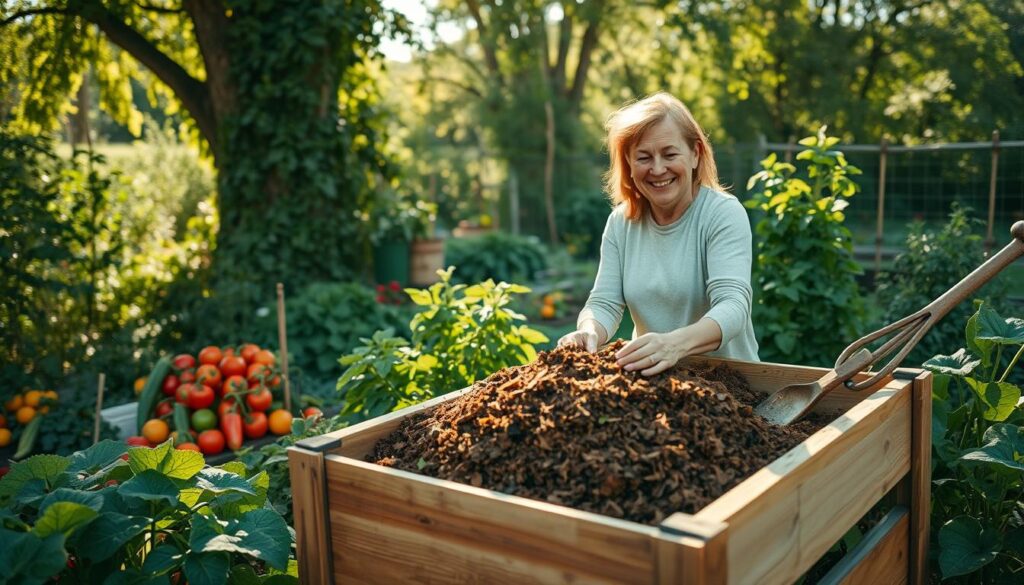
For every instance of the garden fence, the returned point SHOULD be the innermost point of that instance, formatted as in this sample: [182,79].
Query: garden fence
[899,185]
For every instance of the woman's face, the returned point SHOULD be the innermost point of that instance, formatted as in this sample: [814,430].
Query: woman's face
[662,165]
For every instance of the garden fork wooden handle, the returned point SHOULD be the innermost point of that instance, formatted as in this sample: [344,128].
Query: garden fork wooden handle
[913,327]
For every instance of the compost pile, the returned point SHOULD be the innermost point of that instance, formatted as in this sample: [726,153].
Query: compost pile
[573,428]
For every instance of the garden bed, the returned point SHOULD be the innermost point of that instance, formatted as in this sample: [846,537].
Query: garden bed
[361,522]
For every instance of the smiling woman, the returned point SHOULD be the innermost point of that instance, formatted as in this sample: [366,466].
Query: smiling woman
[676,249]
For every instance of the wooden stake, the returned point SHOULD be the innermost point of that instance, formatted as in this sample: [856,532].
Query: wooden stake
[989,240]
[883,154]
[99,407]
[282,338]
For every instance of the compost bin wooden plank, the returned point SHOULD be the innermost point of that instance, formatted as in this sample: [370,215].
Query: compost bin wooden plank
[879,559]
[306,470]
[703,562]
[359,439]
[920,474]
[784,517]
[448,532]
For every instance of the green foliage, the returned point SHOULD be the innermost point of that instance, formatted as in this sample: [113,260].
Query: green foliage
[93,516]
[978,449]
[461,334]
[68,427]
[808,307]
[581,221]
[496,255]
[327,320]
[399,217]
[932,263]
[272,459]
[303,153]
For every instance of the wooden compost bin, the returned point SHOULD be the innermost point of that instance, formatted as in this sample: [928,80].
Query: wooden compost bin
[357,522]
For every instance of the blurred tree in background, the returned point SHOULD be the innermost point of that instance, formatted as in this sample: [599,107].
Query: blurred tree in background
[281,96]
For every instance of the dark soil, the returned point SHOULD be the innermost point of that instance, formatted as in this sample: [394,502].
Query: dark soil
[573,428]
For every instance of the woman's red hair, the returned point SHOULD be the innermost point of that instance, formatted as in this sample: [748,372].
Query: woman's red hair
[625,128]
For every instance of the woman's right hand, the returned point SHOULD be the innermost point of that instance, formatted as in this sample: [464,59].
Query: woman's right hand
[580,338]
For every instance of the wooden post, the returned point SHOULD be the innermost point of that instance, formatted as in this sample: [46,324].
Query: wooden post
[306,469]
[549,172]
[790,146]
[989,240]
[99,407]
[282,338]
[883,155]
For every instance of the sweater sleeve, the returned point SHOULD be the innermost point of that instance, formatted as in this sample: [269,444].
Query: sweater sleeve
[729,255]
[606,302]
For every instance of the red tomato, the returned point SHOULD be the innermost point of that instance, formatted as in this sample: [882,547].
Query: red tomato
[211,442]
[200,396]
[234,384]
[260,399]
[188,447]
[183,391]
[255,425]
[187,376]
[211,355]
[232,365]
[137,441]
[170,385]
[163,408]
[183,361]
[227,405]
[274,383]
[257,373]
[249,351]
[209,375]
[265,356]
[313,413]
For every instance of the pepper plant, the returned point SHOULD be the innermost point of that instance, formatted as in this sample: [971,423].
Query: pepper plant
[978,454]
[459,335]
[117,515]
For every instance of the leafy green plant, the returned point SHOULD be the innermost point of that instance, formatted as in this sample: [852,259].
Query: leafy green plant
[272,458]
[808,306]
[496,255]
[978,450]
[113,514]
[326,320]
[932,263]
[460,334]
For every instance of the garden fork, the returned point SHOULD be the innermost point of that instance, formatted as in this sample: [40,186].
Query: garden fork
[794,401]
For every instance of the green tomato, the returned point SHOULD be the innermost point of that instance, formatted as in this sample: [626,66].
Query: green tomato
[203,419]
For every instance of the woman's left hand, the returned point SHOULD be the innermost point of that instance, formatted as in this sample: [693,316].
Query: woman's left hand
[652,353]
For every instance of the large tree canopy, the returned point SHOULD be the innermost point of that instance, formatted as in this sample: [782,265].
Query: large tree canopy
[279,93]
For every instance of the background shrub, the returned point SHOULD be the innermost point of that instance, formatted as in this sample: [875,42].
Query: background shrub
[932,263]
[497,255]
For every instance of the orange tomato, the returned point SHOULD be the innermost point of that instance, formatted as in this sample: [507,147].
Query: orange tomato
[547,312]
[140,383]
[211,354]
[280,422]
[25,414]
[5,437]
[32,398]
[51,394]
[14,403]
[156,431]
[188,447]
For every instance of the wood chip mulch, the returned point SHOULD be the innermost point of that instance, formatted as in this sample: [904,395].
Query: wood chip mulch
[575,429]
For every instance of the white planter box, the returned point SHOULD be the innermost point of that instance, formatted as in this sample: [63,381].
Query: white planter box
[122,417]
